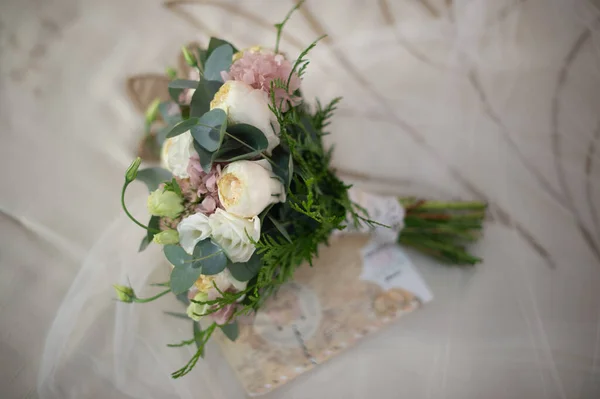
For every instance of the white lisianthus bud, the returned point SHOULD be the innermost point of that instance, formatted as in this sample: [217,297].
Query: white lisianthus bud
[176,153]
[246,188]
[192,230]
[244,104]
[195,311]
[167,237]
[232,234]
[124,293]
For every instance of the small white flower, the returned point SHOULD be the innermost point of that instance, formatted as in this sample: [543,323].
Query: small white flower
[192,230]
[248,187]
[231,233]
[244,104]
[176,153]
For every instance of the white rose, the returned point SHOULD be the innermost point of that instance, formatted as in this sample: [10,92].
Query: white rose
[176,153]
[243,104]
[248,187]
[231,233]
[192,230]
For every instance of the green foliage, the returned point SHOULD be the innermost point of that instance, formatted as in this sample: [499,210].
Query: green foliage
[204,94]
[182,127]
[231,330]
[183,84]
[153,177]
[200,338]
[210,129]
[210,256]
[321,118]
[247,270]
[218,61]
[215,43]
[173,186]
[281,25]
[153,226]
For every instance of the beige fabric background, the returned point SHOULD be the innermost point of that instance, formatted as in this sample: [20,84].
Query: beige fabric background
[472,99]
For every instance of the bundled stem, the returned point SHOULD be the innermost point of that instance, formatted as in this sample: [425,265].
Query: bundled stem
[441,229]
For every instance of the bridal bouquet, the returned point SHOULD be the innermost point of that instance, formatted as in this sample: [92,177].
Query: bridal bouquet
[247,193]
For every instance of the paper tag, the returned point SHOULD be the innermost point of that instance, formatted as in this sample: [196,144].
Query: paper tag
[389,267]
[382,209]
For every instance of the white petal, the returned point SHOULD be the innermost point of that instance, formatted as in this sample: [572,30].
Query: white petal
[192,230]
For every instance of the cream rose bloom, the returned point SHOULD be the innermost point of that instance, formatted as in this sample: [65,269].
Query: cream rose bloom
[246,188]
[244,104]
[176,153]
[192,230]
[231,234]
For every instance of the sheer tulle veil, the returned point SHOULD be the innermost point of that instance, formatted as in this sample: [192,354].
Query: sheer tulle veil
[494,100]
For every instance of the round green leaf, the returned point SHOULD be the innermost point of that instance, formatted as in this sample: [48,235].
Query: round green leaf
[215,43]
[204,94]
[213,258]
[210,129]
[182,127]
[253,140]
[284,166]
[153,177]
[177,256]
[246,271]
[182,278]
[206,157]
[231,330]
[183,84]
[218,61]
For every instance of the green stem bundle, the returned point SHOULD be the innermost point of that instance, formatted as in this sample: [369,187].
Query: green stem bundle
[441,229]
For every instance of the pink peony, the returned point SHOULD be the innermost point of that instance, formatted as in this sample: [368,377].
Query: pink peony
[259,68]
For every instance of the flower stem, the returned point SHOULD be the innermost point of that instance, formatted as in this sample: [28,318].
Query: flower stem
[146,300]
[439,205]
[204,258]
[130,215]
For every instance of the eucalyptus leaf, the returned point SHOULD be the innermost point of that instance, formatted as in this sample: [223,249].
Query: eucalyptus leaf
[153,224]
[251,138]
[183,84]
[153,177]
[169,112]
[175,94]
[280,228]
[264,213]
[177,256]
[216,43]
[228,148]
[214,260]
[247,270]
[183,278]
[284,165]
[202,56]
[204,94]
[206,157]
[183,127]
[231,330]
[183,298]
[218,61]
[210,130]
